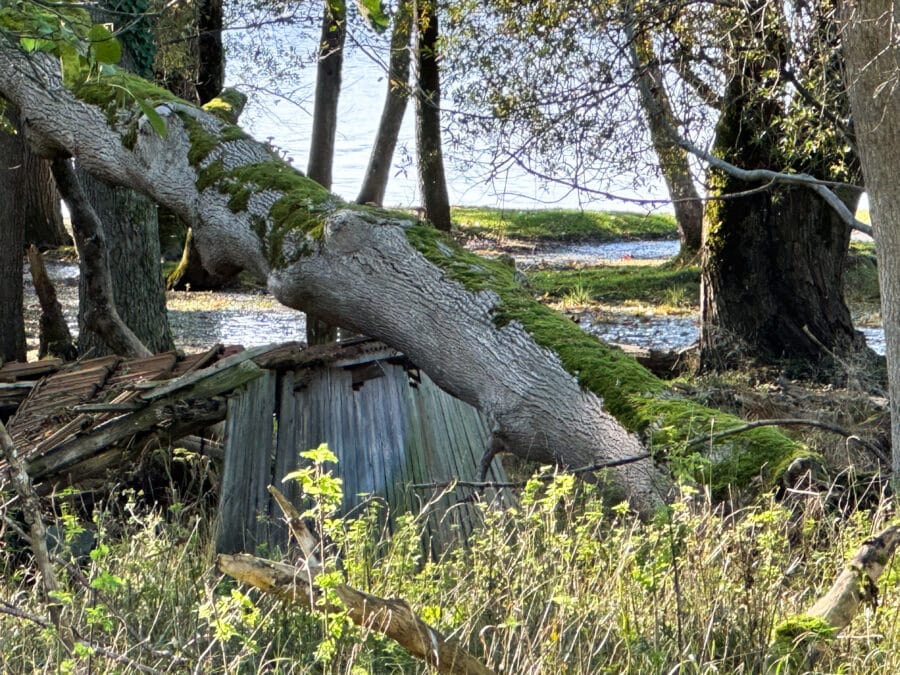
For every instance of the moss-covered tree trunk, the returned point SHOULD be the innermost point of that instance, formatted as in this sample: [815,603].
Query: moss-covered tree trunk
[774,257]
[551,392]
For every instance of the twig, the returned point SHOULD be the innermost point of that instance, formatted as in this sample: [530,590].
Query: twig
[487,485]
[31,506]
[878,452]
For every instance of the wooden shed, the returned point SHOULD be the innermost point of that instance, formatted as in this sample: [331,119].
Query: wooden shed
[390,426]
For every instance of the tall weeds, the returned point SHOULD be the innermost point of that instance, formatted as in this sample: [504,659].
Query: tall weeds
[559,584]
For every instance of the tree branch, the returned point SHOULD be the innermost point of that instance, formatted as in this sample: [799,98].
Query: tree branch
[820,187]
[874,449]
[101,314]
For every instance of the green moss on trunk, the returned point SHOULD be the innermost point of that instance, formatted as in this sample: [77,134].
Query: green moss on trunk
[633,395]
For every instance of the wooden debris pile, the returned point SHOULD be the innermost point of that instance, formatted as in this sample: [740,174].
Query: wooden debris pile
[78,420]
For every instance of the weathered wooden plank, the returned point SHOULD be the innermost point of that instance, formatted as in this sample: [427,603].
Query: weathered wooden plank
[249,443]
[229,362]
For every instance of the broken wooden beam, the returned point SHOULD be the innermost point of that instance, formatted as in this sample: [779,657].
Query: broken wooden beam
[392,617]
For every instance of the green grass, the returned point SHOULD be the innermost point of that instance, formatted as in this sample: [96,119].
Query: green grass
[559,584]
[622,284]
[561,225]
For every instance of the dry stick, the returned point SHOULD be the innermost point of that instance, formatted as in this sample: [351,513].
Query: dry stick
[101,314]
[390,616]
[31,506]
[855,585]
[874,449]
[55,338]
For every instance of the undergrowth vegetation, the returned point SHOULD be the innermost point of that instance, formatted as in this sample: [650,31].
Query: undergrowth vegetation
[561,583]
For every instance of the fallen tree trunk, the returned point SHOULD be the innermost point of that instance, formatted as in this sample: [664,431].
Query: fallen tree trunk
[800,639]
[552,393]
[392,617]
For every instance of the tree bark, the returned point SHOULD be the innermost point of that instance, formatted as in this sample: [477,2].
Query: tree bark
[773,260]
[97,307]
[328,90]
[128,221]
[797,641]
[321,148]
[872,59]
[55,338]
[550,392]
[37,201]
[432,181]
[392,617]
[12,251]
[210,52]
[673,159]
[377,173]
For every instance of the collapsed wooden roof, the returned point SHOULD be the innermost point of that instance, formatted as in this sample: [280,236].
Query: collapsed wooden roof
[78,418]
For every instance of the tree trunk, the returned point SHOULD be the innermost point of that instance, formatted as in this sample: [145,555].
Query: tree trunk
[550,392]
[12,251]
[772,281]
[432,180]
[129,225]
[37,202]
[673,159]
[321,149]
[871,56]
[97,312]
[210,52]
[773,260]
[377,173]
[55,338]
[328,89]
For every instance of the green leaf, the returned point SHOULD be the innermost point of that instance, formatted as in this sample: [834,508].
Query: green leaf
[105,46]
[155,119]
[373,13]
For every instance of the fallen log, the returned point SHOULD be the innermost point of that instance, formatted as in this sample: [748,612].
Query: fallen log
[800,639]
[390,616]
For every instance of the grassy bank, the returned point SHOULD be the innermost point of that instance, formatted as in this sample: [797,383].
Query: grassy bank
[563,225]
[651,284]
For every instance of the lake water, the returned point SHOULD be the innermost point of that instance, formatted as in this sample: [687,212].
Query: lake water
[251,318]
[269,116]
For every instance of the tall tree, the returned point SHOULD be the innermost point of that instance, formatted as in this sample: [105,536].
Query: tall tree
[12,250]
[774,256]
[38,203]
[661,120]
[328,90]
[324,129]
[869,42]
[210,51]
[377,173]
[432,180]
